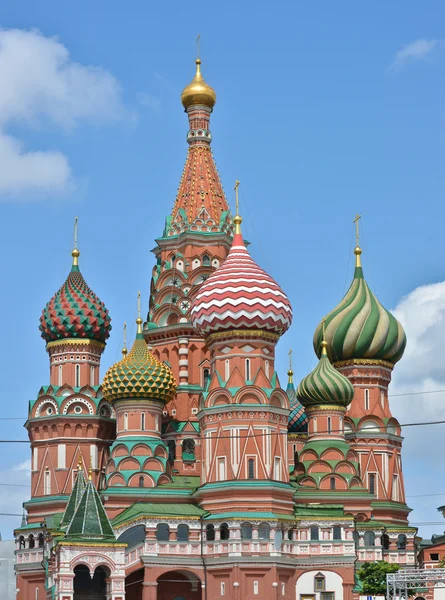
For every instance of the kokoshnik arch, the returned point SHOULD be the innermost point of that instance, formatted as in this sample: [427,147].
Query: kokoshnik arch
[189,472]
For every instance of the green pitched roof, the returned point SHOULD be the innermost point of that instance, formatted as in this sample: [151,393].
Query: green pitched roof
[90,521]
[75,498]
[142,509]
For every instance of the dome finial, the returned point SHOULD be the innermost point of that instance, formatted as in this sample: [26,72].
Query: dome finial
[290,373]
[139,320]
[324,343]
[75,253]
[357,249]
[124,349]
[237,219]
[198,91]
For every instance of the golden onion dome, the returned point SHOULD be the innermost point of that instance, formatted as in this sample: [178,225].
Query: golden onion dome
[139,375]
[198,91]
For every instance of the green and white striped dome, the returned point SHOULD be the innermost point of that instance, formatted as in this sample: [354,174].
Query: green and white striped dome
[325,385]
[360,327]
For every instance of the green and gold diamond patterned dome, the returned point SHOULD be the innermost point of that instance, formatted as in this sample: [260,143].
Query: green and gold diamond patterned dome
[139,375]
[360,328]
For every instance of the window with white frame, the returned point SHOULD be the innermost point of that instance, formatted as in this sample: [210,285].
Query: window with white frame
[256,590]
[223,588]
[277,468]
[266,368]
[247,369]
[91,375]
[125,421]
[227,369]
[61,456]
[366,399]
[221,468]
[47,483]
[77,376]
[143,422]
[60,375]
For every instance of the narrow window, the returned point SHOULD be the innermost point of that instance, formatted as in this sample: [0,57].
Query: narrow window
[60,375]
[319,583]
[366,399]
[246,531]
[382,398]
[221,469]
[206,261]
[93,456]
[61,456]
[385,541]
[247,369]
[205,377]
[35,459]
[277,468]
[210,533]
[369,538]
[188,449]
[143,421]
[125,421]
[91,375]
[371,483]
[31,541]
[77,376]
[182,533]
[47,483]
[395,488]
[401,542]
[329,425]
[266,369]
[21,543]
[227,369]
[223,588]
[255,588]
[224,531]
[314,533]
[264,531]
[336,532]
[314,421]
[171,451]
[141,481]
[251,468]
[162,532]
[283,588]
[332,483]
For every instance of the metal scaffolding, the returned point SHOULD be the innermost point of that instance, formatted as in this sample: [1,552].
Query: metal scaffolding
[400,585]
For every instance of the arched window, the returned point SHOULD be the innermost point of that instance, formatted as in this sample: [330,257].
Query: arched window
[227,369]
[356,536]
[264,531]
[31,541]
[206,260]
[21,542]
[246,531]
[171,451]
[77,376]
[315,535]
[188,449]
[382,398]
[205,377]
[182,533]
[251,468]
[224,531]
[366,399]
[401,542]
[385,541]
[329,425]
[125,421]
[332,483]
[314,421]
[369,538]
[336,532]
[143,421]
[91,375]
[162,532]
[47,483]
[247,369]
[290,534]
[40,540]
[210,533]
[371,480]
[60,375]
[141,481]
[319,582]
[172,260]
[266,368]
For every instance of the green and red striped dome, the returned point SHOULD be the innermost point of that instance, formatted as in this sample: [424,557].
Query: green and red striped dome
[75,311]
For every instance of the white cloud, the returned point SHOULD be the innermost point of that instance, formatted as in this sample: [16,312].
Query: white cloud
[422,313]
[13,496]
[41,85]
[152,102]
[417,50]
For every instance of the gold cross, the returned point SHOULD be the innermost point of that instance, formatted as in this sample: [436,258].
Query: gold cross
[75,232]
[139,304]
[323,321]
[356,220]
[125,335]
[236,196]
[197,46]
[290,359]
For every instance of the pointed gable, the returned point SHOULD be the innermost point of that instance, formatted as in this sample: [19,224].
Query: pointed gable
[236,380]
[90,521]
[74,500]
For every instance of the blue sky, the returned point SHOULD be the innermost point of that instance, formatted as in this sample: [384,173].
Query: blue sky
[324,110]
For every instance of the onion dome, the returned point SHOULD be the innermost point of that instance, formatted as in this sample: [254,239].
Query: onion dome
[325,385]
[297,422]
[198,91]
[75,311]
[139,375]
[360,327]
[240,295]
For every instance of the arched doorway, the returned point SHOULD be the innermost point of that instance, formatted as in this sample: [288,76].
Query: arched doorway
[86,588]
[133,585]
[179,585]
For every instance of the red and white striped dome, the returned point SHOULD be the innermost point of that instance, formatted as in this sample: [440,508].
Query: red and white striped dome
[240,295]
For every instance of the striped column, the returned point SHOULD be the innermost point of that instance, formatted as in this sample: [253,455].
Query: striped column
[183,361]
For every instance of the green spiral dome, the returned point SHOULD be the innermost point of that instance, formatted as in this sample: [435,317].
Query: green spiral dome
[325,385]
[360,327]
[139,375]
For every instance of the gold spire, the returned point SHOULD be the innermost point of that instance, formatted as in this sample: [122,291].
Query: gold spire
[357,249]
[139,320]
[124,349]
[198,91]
[75,253]
[237,220]
[90,470]
[79,463]
[290,373]
[324,343]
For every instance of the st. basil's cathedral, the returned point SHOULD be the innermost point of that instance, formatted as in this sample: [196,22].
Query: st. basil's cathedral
[188,472]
